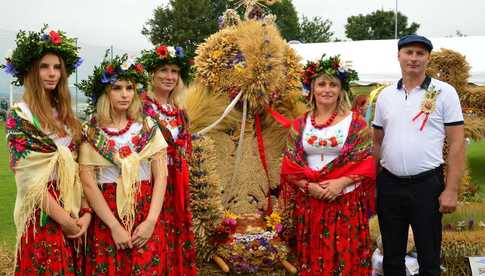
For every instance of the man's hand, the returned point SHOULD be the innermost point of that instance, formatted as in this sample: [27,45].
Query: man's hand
[448,201]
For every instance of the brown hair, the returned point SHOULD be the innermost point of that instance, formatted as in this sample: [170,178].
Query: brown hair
[343,101]
[104,108]
[41,102]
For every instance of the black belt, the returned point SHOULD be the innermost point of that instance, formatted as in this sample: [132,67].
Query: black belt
[437,170]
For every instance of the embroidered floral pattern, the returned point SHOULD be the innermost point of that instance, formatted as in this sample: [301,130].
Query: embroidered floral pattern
[23,137]
[312,138]
[107,148]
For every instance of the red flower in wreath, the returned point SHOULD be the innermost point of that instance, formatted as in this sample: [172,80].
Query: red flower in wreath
[162,51]
[124,151]
[139,68]
[109,69]
[336,64]
[55,38]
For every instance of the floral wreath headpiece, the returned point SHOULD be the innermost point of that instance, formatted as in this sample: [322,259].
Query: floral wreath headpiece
[163,54]
[110,71]
[32,46]
[332,66]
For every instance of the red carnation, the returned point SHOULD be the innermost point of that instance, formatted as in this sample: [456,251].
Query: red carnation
[55,37]
[162,51]
[124,151]
[109,69]
[139,68]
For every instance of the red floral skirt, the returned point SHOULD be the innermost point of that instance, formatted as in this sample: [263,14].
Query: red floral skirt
[178,230]
[333,238]
[102,257]
[43,250]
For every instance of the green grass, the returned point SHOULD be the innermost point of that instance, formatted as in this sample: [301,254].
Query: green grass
[476,159]
[7,194]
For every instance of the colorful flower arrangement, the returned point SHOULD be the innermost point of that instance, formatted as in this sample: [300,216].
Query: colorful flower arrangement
[222,234]
[163,54]
[110,71]
[251,248]
[31,46]
[332,66]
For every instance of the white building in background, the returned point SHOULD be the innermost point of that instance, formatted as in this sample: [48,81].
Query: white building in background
[376,60]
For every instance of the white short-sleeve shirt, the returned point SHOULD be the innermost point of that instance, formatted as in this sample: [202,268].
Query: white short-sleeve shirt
[406,149]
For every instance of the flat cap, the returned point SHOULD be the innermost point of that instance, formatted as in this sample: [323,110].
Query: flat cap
[412,39]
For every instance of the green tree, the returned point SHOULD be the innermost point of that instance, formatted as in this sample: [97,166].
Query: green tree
[286,19]
[184,23]
[314,30]
[378,25]
[187,23]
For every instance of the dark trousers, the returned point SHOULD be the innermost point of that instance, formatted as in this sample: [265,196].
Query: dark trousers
[410,201]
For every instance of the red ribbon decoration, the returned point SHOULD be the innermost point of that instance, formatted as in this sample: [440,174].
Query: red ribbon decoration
[262,156]
[426,117]
[285,122]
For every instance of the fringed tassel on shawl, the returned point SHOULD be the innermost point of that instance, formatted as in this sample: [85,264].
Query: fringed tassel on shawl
[127,188]
[69,183]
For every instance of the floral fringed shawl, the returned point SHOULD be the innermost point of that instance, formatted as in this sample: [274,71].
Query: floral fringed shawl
[34,158]
[99,151]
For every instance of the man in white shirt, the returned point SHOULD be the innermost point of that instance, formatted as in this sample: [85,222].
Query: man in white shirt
[412,120]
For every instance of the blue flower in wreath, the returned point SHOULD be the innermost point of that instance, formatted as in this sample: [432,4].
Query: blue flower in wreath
[106,78]
[179,52]
[78,63]
[10,69]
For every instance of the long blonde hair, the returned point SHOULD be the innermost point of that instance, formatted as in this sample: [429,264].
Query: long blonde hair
[104,108]
[41,102]
[343,101]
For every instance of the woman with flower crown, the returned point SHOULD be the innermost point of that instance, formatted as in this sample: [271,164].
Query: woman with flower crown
[43,136]
[327,177]
[123,172]
[169,67]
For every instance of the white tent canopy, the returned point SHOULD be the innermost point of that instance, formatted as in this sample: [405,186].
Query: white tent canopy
[376,60]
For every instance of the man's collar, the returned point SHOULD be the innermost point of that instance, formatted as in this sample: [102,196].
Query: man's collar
[424,85]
